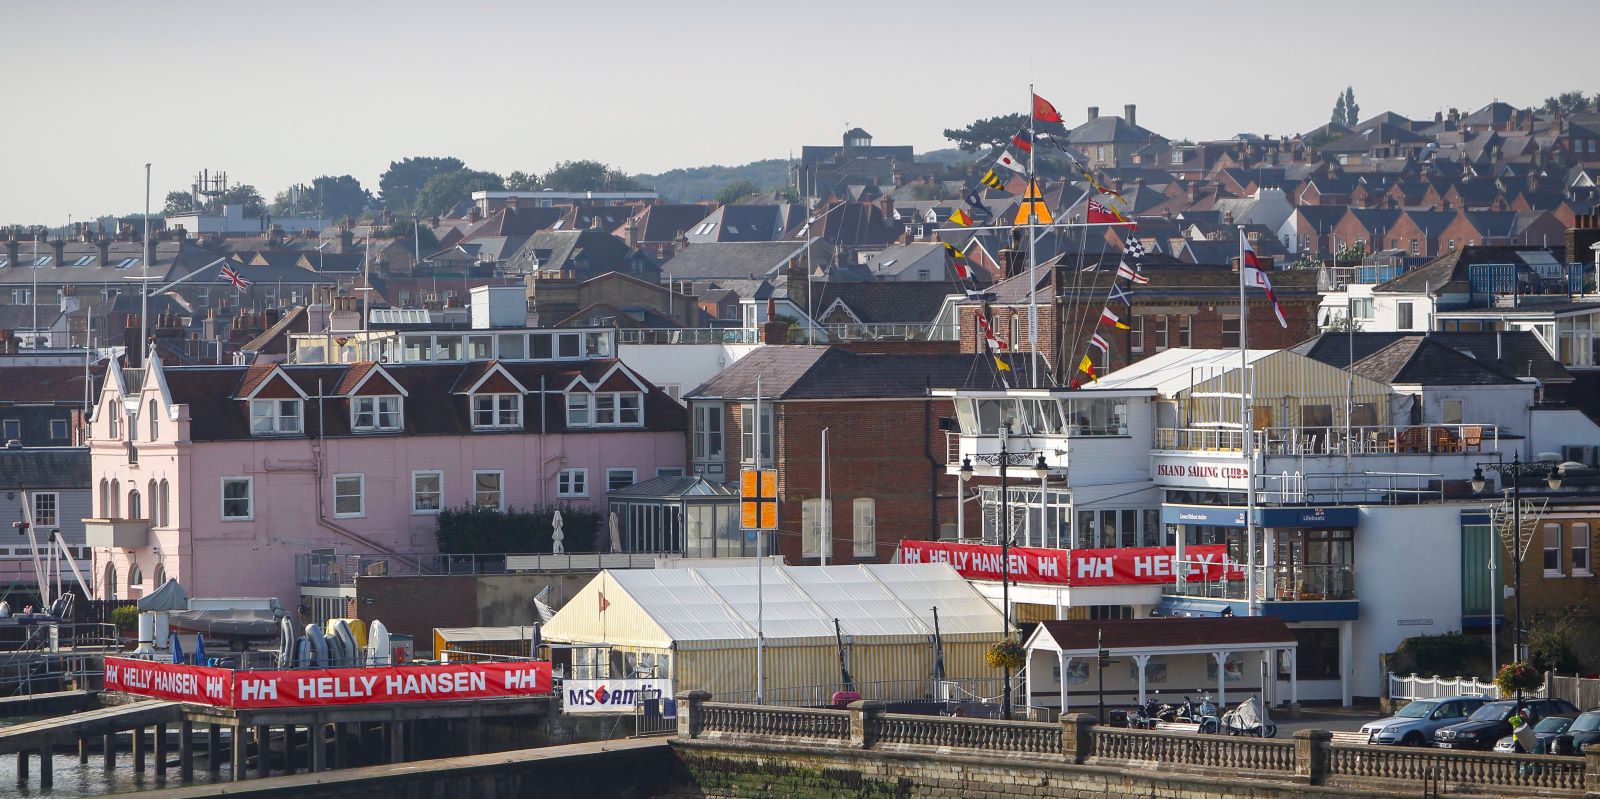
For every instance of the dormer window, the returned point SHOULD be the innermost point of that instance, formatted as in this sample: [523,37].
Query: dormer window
[373,414]
[605,409]
[275,417]
[496,411]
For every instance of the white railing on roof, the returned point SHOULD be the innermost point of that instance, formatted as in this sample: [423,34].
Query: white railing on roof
[1337,440]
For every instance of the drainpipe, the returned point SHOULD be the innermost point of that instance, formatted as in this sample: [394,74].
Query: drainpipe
[320,450]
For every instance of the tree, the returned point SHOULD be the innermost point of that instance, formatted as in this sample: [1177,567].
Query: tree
[398,186]
[1338,111]
[402,230]
[327,197]
[244,195]
[736,191]
[1352,112]
[519,180]
[444,191]
[178,202]
[1567,103]
[586,176]
[985,134]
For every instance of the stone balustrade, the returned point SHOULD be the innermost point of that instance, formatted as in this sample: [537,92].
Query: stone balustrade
[1209,751]
[909,731]
[1362,765]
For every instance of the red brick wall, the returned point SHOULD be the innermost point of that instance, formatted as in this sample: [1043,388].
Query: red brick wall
[416,605]
[1546,595]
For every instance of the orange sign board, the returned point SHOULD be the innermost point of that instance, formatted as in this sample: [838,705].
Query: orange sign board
[758,493]
[758,515]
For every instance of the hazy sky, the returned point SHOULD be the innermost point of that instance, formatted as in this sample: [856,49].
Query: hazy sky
[280,92]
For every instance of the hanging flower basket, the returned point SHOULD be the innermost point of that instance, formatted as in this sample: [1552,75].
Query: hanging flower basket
[1519,676]
[1007,654]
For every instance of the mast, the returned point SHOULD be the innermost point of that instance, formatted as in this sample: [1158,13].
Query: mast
[1033,260]
[761,534]
[1247,435]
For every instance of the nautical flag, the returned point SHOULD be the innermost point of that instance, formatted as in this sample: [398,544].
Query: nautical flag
[1001,365]
[1135,248]
[1023,140]
[229,275]
[1109,318]
[1102,214]
[1086,366]
[976,204]
[604,603]
[1044,111]
[1098,341]
[959,258]
[1010,162]
[1120,294]
[988,333]
[992,180]
[1254,275]
[1124,270]
[960,217]
[974,294]
[1033,206]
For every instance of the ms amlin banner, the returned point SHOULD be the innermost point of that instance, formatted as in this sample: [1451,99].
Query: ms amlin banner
[615,696]
[310,687]
[1076,567]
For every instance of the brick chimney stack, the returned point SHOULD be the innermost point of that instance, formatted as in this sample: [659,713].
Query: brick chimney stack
[1128,113]
[1094,112]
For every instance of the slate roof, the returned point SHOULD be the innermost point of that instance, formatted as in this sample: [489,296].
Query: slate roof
[723,259]
[893,302]
[168,254]
[1072,636]
[1419,360]
[42,384]
[44,467]
[1109,130]
[1452,268]
[665,222]
[1516,353]
[825,372]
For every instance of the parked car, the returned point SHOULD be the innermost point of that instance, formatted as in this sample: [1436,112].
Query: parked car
[1415,724]
[1585,731]
[1490,723]
[1545,734]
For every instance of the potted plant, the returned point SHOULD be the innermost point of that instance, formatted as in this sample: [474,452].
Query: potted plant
[1007,654]
[1518,677]
[126,619]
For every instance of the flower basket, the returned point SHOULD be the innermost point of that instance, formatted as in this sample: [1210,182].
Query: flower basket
[1516,677]
[1007,654]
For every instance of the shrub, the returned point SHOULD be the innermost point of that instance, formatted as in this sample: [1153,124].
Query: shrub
[126,618]
[474,530]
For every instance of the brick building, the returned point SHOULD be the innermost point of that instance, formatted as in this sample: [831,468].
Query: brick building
[886,451]
[1558,572]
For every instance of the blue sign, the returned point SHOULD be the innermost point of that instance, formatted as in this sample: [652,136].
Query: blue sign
[1265,517]
[1212,516]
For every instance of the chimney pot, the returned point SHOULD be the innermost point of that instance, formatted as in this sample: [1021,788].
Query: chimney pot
[1094,112]
[1128,113]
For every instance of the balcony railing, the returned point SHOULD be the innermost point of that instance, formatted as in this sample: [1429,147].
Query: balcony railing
[313,569]
[886,332]
[1299,582]
[1430,439]
[688,335]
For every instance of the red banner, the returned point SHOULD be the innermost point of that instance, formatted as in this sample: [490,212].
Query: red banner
[1075,567]
[309,687]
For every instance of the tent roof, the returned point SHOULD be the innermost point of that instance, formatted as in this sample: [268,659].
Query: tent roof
[170,596]
[1175,369]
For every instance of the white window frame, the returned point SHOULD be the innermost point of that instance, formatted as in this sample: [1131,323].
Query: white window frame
[1185,331]
[1135,333]
[360,495]
[276,418]
[8,425]
[417,510]
[376,411]
[747,433]
[249,498]
[1560,538]
[39,514]
[572,483]
[580,409]
[501,417]
[611,409]
[1578,541]
[1222,329]
[704,437]
[1161,333]
[811,513]
[864,518]
[669,471]
[1405,316]
[633,477]
[499,490]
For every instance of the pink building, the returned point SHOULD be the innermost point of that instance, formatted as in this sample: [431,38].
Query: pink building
[218,476]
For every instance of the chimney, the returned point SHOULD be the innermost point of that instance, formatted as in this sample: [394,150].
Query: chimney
[511,202]
[347,240]
[13,249]
[474,215]
[1094,112]
[887,203]
[59,248]
[1128,113]
[104,245]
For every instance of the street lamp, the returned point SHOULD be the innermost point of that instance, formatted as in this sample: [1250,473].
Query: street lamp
[1005,458]
[1514,472]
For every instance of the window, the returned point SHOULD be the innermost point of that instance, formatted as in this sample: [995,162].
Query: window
[669,471]
[1416,249]
[864,527]
[58,429]
[619,478]
[1230,332]
[572,483]
[114,419]
[135,578]
[1184,326]
[238,498]
[1405,319]
[1316,653]
[1361,307]
[578,410]
[21,297]
[1552,550]
[747,447]
[375,413]
[811,515]
[496,411]
[13,429]
[1452,245]
[1136,333]
[1450,411]
[155,424]
[274,416]
[1162,341]
[618,409]
[427,491]
[1580,549]
[488,490]
[349,495]
[707,432]
[44,509]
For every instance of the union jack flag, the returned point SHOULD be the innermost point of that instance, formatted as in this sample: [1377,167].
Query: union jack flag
[233,277]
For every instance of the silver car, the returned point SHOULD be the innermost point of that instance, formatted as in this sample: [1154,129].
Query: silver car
[1415,724]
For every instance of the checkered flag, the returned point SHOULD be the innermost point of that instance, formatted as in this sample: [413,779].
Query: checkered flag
[1134,248]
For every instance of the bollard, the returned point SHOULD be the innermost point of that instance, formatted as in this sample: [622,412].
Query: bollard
[1313,751]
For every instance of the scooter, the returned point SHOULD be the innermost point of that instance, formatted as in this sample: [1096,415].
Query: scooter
[1248,720]
[1205,715]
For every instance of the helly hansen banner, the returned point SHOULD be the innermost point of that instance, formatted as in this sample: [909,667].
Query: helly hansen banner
[311,687]
[1076,567]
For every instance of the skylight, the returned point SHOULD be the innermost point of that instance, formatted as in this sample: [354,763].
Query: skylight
[44,260]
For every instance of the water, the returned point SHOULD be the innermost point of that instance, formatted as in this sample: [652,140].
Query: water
[74,779]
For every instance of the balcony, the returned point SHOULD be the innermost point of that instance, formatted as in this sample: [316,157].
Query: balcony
[116,533]
[688,335]
[1299,592]
[1424,439]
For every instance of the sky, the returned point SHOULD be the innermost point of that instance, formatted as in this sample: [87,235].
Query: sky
[276,93]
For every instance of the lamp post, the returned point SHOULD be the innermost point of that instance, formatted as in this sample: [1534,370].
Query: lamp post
[1004,459]
[1514,472]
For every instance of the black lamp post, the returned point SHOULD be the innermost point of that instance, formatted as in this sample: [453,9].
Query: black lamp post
[1514,472]
[1004,459]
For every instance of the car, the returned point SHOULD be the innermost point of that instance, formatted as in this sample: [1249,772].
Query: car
[1415,724]
[1584,732]
[1545,734]
[1491,722]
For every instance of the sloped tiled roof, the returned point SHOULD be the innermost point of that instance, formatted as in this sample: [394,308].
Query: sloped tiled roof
[824,372]
[1421,361]
[45,467]
[1517,353]
[891,302]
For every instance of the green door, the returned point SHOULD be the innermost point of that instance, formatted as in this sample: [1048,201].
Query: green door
[1479,595]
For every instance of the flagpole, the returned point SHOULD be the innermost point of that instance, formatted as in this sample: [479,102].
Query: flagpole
[1033,260]
[760,535]
[1247,435]
[144,283]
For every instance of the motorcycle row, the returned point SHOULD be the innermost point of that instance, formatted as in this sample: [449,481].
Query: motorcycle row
[1245,720]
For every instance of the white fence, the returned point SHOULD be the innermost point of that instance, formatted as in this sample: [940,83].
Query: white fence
[1415,687]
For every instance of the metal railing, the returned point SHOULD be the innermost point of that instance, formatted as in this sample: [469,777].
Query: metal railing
[1412,686]
[883,332]
[688,335]
[1430,439]
[312,569]
[1291,582]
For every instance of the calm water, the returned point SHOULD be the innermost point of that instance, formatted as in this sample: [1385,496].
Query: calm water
[74,779]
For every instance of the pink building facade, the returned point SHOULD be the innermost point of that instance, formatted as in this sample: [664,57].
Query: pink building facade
[219,476]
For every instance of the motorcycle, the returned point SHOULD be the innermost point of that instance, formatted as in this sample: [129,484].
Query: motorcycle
[1205,715]
[1248,720]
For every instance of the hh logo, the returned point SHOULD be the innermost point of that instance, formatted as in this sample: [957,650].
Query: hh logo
[111,672]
